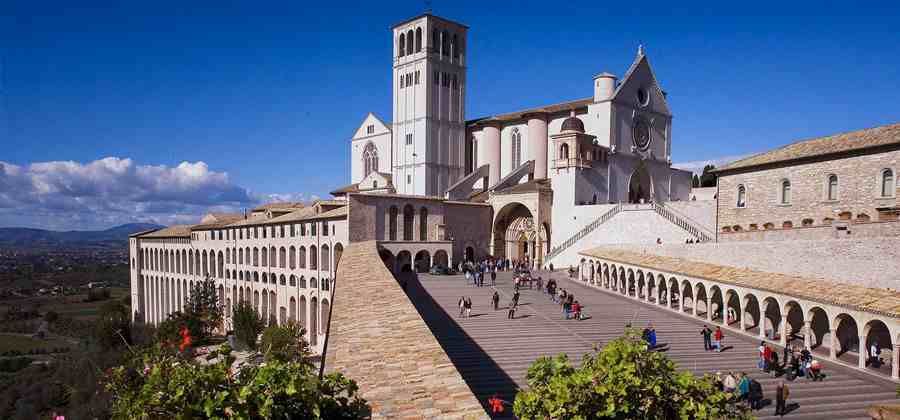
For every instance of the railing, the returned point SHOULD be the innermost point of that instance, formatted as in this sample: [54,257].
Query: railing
[683,222]
[583,232]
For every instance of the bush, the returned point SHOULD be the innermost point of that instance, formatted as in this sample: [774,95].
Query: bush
[159,382]
[284,343]
[247,324]
[113,325]
[624,380]
[95,295]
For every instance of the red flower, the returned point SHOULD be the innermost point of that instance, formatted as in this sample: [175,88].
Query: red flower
[185,339]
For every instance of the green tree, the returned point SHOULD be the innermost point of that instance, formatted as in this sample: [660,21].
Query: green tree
[707,178]
[622,381]
[203,304]
[159,384]
[113,325]
[695,181]
[247,324]
[284,343]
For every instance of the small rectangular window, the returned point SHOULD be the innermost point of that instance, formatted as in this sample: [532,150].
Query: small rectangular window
[437,78]
[409,179]
[417,77]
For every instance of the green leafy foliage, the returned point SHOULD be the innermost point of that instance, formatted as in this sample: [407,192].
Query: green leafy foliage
[204,305]
[247,324]
[622,381]
[284,343]
[159,384]
[707,178]
[113,326]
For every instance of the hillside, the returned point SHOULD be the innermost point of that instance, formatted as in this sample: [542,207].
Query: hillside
[27,237]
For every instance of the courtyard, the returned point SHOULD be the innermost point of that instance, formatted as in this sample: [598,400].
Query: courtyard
[493,353]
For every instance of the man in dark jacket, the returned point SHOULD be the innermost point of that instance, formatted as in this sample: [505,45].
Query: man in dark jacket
[756,395]
[707,338]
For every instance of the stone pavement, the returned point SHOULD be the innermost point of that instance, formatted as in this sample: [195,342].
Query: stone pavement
[493,353]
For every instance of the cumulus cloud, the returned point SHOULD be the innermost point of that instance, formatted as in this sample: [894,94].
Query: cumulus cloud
[696,166]
[110,191]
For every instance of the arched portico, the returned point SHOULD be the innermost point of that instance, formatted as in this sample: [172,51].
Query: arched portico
[517,236]
[640,186]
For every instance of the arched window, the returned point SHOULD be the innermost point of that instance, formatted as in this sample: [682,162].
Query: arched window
[409,42]
[265,256]
[785,192]
[832,193]
[423,224]
[273,257]
[516,140]
[282,257]
[301,257]
[408,215]
[293,257]
[401,44]
[370,159]
[418,39]
[392,223]
[741,196]
[564,151]
[313,258]
[326,259]
[887,183]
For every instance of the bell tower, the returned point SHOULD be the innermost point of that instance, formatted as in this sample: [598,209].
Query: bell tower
[429,80]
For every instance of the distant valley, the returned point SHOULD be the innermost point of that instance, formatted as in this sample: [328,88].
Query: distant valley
[40,238]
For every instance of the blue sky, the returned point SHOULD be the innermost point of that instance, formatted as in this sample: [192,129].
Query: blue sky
[260,98]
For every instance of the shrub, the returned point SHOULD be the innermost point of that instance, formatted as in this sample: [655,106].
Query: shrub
[247,324]
[159,382]
[623,380]
[113,325]
[95,295]
[284,343]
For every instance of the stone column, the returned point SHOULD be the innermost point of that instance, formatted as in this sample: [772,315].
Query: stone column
[762,326]
[783,328]
[807,333]
[742,322]
[833,343]
[708,311]
[863,352]
[537,143]
[490,150]
[895,362]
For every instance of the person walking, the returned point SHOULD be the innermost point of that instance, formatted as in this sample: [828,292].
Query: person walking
[743,386]
[496,404]
[719,337]
[729,384]
[512,310]
[763,357]
[496,300]
[756,395]
[494,277]
[781,396]
[462,305]
[707,338]
[468,305]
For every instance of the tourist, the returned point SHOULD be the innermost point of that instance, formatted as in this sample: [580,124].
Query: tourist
[652,337]
[468,274]
[719,338]
[578,308]
[874,352]
[755,396]
[496,300]
[515,297]
[659,241]
[729,384]
[551,267]
[763,357]
[717,382]
[512,310]
[494,277]
[814,370]
[781,396]
[773,363]
[468,305]
[707,338]
[496,404]
[743,386]
[462,305]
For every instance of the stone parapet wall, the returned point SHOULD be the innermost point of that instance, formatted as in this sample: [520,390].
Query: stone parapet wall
[378,338]
[838,231]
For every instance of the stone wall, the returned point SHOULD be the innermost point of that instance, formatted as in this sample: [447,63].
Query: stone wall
[858,193]
[838,230]
[377,338]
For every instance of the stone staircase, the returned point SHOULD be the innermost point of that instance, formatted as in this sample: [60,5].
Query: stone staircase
[582,233]
[696,229]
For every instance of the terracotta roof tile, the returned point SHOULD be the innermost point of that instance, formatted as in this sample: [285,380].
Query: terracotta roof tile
[879,301]
[837,143]
[176,231]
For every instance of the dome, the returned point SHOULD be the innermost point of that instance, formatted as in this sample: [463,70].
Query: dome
[572,124]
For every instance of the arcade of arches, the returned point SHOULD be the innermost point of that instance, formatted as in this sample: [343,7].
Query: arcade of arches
[831,331]
[516,237]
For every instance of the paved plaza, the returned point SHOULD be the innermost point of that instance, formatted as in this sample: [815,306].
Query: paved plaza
[493,353]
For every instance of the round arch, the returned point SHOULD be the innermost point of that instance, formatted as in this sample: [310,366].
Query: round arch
[422,261]
[640,185]
[751,312]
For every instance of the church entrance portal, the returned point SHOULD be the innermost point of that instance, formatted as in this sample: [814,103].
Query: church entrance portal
[517,237]
[640,189]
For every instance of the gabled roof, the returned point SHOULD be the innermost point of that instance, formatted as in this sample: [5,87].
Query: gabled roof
[550,109]
[176,231]
[360,133]
[877,137]
[352,188]
[641,61]
[281,205]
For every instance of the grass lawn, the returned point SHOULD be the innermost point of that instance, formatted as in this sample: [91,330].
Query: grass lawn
[24,343]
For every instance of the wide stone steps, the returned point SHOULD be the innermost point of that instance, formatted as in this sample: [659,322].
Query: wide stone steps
[493,353]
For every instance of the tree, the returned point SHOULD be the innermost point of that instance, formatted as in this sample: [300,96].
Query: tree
[284,343]
[247,324]
[707,178]
[113,325]
[157,383]
[204,305]
[622,381]
[695,181]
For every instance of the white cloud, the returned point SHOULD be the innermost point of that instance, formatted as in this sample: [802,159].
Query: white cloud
[110,191]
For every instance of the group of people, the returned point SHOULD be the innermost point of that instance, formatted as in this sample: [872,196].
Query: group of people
[743,387]
[571,308]
[476,272]
[712,340]
[465,306]
[794,363]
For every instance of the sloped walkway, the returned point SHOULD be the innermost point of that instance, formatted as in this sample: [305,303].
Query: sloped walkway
[493,353]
